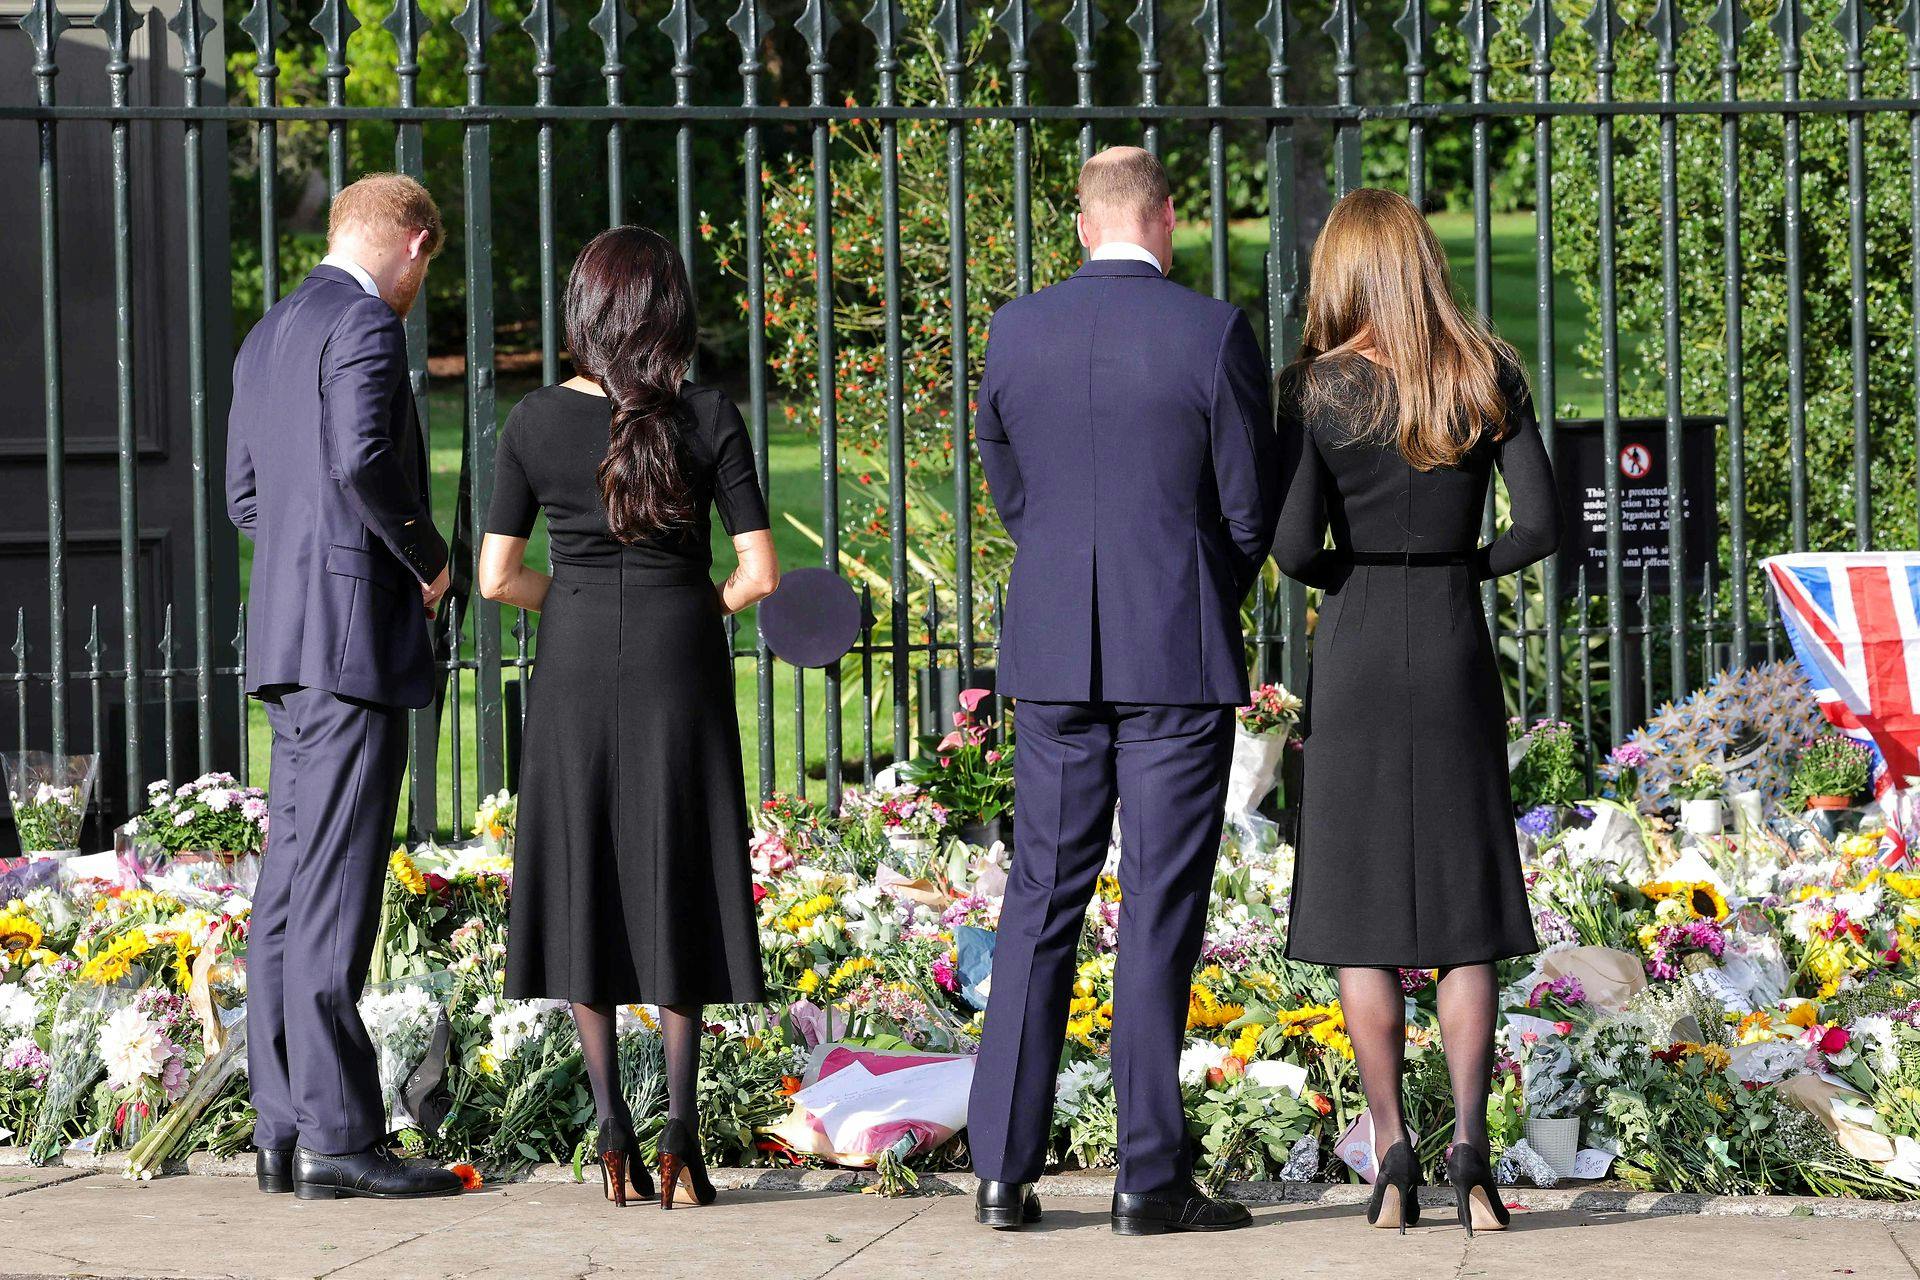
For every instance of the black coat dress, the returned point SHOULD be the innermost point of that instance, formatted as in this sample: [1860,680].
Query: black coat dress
[631,880]
[1406,854]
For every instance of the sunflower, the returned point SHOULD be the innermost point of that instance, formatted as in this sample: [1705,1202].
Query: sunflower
[406,873]
[1702,900]
[114,961]
[20,934]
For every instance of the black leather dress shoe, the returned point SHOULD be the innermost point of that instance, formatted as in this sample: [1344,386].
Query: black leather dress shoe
[1185,1208]
[375,1173]
[274,1170]
[1005,1206]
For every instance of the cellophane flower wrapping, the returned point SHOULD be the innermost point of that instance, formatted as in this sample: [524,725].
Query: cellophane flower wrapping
[73,1062]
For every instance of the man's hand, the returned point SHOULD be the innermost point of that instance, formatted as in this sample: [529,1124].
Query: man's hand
[430,592]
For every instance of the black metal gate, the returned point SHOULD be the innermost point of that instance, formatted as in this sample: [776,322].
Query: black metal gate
[1690,170]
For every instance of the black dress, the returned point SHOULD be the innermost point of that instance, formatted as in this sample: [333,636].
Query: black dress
[1406,854]
[630,875]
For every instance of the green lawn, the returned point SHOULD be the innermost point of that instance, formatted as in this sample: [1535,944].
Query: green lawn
[794,471]
[1513,316]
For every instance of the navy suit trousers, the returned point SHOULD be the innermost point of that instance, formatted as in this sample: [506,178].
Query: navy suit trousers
[1167,766]
[337,765]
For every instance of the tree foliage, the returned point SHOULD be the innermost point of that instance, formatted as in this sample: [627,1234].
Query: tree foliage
[1827,284]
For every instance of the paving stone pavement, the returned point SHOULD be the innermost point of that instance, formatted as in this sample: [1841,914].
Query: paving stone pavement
[63,1222]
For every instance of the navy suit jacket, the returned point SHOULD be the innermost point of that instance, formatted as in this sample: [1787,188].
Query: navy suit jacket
[1125,425]
[327,474]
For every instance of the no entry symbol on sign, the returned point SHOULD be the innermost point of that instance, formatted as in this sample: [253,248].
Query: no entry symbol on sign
[1635,461]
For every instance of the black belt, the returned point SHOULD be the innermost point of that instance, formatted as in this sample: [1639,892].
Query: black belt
[1410,559]
[630,575]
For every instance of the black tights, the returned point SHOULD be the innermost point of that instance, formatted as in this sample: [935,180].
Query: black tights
[1375,1008]
[680,1028]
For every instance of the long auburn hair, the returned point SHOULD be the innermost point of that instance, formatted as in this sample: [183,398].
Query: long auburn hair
[1379,272]
[631,328]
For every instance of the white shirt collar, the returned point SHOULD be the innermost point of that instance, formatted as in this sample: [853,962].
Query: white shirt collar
[341,262]
[1127,249]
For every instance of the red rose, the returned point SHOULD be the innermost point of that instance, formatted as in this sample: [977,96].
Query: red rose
[1834,1040]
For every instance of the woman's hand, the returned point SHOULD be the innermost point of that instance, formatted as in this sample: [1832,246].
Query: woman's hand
[504,575]
[755,576]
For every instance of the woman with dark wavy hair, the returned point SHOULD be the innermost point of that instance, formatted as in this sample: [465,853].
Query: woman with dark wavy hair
[631,881]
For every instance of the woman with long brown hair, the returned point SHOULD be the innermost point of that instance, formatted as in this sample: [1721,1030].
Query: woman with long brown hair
[1395,417]
[631,879]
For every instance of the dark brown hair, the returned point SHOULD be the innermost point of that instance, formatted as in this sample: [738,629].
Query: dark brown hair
[632,329]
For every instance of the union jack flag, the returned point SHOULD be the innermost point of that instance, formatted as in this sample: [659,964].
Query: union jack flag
[1854,621]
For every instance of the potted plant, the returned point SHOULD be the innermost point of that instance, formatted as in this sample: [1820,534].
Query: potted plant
[1260,735]
[49,795]
[1829,772]
[1546,774]
[964,773]
[210,819]
[1699,796]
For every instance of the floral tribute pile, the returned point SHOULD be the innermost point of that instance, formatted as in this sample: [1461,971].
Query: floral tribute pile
[1733,1011]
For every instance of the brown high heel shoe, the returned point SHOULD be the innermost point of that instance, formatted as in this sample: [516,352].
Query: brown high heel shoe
[681,1166]
[621,1167]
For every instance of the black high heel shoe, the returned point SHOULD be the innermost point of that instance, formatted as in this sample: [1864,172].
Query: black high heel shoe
[681,1166]
[1396,1189]
[1474,1192]
[620,1165]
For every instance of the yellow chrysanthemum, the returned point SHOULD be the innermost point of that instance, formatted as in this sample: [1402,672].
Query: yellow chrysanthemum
[406,874]
[20,934]
[808,983]
[1247,1043]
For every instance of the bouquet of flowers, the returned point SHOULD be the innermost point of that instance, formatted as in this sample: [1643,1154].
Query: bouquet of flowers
[49,795]
[493,822]
[1263,727]
[73,1062]
[408,1026]
[144,1046]
[211,814]
[1272,710]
